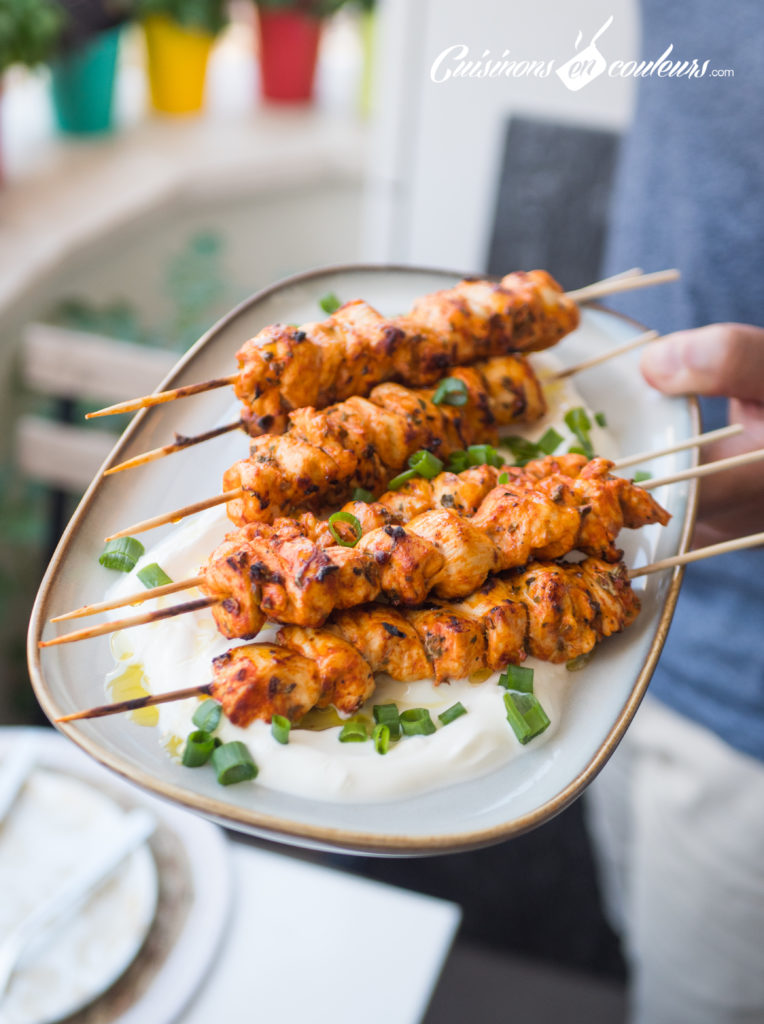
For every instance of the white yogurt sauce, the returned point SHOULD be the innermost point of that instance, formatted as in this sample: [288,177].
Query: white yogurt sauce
[177,653]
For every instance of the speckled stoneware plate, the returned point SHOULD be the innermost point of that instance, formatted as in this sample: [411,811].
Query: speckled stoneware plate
[512,799]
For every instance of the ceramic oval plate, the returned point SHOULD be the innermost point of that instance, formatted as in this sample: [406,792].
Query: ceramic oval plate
[504,802]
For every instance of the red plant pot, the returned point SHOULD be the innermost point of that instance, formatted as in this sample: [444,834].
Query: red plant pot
[288,53]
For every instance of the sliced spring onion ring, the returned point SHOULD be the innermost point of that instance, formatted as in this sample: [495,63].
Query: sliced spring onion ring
[207,715]
[484,455]
[525,715]
[280,727]
[417,722]
[353,731]
[426,464]
[381,738]
[601,419]
[452,713]
[233,763]
[329,303]
[641,475]
[503,478]
[361,494]
[522,449]
[387,714]
[403,478]
[579,424]
[345,517]
[549,441]
[517,677]
[458,461]
[198,750]
[450,391]
[121,554]
[576,664]
[153,576]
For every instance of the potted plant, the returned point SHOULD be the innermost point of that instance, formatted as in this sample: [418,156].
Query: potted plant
[29,30]
[368,31]
[179,38]
[289,34]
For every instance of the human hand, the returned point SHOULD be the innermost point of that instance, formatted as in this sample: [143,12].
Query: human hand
[727,360]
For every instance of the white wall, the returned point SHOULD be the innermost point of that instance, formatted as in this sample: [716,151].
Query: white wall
[437,147]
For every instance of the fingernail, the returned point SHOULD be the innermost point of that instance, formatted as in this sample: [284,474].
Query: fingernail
[662,359]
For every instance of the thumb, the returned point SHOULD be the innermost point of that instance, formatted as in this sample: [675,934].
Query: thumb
[720,359]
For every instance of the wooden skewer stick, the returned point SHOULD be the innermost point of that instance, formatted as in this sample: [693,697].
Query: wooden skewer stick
[181,513]
[134,620]
[160,397]
[178,445]
[700,439]
[705,470]
[123,602]
[149,701]
[600,289]
[619,350]
[196,581]
[739,544]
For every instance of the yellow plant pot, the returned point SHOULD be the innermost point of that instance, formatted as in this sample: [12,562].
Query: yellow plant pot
[177,64]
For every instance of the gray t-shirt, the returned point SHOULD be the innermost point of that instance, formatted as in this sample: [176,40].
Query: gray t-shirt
[689,195]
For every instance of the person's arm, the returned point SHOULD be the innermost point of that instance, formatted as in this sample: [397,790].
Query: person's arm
[728,360]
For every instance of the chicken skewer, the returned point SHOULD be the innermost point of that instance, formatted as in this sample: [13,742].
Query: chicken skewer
[285,368]
[264,572]
[553,612]
[462,492]
[182,442]
[365,442]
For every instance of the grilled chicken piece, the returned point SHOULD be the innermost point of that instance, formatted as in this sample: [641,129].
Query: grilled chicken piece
[525,524]
[454,642]
[226,576]
[504,622]
[463,492]
[468,554]
[385,639]
[346,679]
[257,681]
[406,564]
[285,368]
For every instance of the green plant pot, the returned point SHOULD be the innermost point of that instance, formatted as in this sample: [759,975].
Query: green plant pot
[82,86]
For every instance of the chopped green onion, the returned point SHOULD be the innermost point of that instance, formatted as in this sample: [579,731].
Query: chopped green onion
[458,461]
[549,441]
[280,726]
[455,711]
[345,517]
[601,419]
[153,576]
[522,449]
[233,763]
[451,391]
[198,750]
[353,732]
[381,737]
[525,715]
[329,303]
[387,714]
[576,664]
[483,455]
[579,424]
[207,715]
[641,475]
[417,722]
[361,494]
[503,478]
[576,449]
[121,554]
[403,478]
[426,464]
[517,677]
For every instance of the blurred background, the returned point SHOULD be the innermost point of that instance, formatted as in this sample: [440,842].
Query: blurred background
[163,159]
